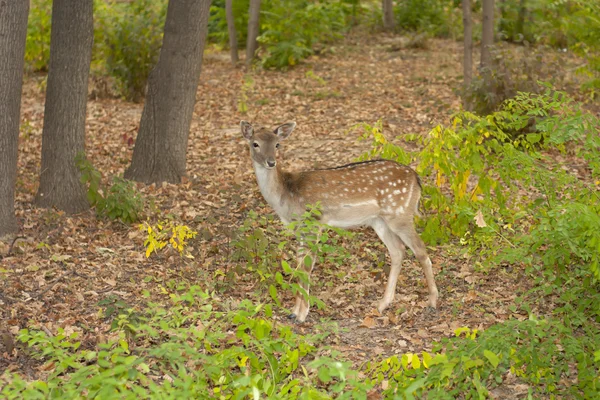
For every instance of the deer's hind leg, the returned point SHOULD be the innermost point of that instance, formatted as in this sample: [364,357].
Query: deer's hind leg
[407,233]
[397,250]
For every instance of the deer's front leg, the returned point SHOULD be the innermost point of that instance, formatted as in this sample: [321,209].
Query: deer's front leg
[300,310]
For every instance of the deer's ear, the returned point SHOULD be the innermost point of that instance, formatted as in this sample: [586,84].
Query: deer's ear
[247,129]
[283,131]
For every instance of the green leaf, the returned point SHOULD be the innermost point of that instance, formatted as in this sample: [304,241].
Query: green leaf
[492,358]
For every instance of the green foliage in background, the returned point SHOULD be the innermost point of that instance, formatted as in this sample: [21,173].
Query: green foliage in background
[290,29]
[128,37]
[572,25]
[37,47]
[217,24]
[439,18]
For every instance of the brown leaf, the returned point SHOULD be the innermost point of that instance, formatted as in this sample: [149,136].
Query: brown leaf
[479,221]
[369,322]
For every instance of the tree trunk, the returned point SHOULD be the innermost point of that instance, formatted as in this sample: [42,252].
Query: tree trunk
[487,36]
[253,30]
[13,31]
[63,136]
[388,15]
[468,49]
[520,28]
[160,148]
[231,30]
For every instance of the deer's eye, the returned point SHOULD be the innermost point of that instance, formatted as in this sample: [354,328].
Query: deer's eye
[277,146]
[255,145]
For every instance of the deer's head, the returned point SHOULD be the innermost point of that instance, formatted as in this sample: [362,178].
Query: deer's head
[264,142]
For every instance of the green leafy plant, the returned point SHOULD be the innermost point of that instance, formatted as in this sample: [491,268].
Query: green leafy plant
[439,18]
[37,47]
[129,38]
[189,347]
[290,29]
[258,242]
[122,201]
[482,173]
[537,351]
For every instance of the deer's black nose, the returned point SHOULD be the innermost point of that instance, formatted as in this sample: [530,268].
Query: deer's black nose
[271,163]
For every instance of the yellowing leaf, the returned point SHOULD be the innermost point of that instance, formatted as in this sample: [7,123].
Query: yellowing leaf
[426,359]
[416,363]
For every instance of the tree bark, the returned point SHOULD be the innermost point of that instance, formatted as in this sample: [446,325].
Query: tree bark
[487,36]
[520,27]
[388,15]
[63,135]
[13,32]
[468,49]
[231,30]
[253,31]
[160,148]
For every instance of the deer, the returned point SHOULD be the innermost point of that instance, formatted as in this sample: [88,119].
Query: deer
[381,194]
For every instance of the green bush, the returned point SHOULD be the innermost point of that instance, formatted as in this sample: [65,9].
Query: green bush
[290,29]
[265,257]
[122,201]
[37,47]
[570,25]
[192,347]
[540,353]
[129,38]
[439,18]
[484,169]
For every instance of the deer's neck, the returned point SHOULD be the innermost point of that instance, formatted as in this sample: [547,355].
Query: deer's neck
[271,184]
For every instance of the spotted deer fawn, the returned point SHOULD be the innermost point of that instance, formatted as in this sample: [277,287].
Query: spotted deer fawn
[381,194]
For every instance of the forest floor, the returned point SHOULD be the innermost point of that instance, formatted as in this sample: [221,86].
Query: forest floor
[61,269]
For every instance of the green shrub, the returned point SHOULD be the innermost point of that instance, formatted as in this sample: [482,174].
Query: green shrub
[265,257]
[129,38]
[439,18]
[122,201]
[37,47]
[484,170]
[194,346]
[540,353]
[290,29]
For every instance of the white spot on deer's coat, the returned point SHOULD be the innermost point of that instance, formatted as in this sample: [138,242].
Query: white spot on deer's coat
[396,192]
[403,190]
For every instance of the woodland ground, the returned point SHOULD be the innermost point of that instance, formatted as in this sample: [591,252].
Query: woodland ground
[65,265]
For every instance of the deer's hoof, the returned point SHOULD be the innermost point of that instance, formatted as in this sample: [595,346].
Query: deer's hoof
[292,316]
